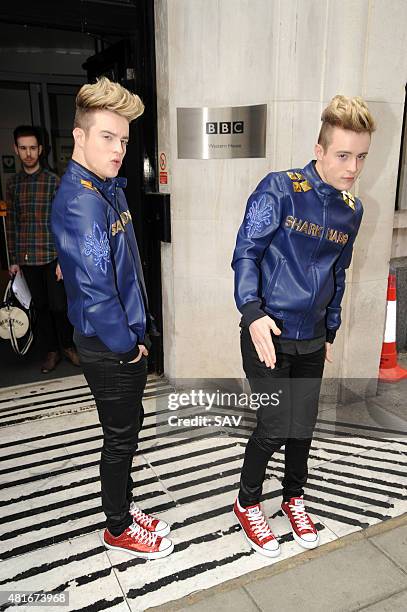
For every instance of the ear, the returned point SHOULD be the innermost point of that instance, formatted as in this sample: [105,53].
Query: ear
[78,136]
[319,151]
[16,149]
[39,150]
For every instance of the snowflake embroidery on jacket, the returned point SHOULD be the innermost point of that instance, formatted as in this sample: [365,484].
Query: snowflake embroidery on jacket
[259,216]
[97,244]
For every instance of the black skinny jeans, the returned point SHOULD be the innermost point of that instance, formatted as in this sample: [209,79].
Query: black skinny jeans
[53,327]
[118,390]
[296,379]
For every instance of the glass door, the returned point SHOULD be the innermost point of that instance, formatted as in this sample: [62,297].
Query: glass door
[50,106]
[61,103]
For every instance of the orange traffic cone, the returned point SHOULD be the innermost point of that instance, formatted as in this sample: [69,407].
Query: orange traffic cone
[390,370]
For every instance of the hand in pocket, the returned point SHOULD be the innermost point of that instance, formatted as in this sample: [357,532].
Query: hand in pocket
[142,351]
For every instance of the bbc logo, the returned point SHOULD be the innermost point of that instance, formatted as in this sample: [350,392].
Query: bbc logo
[225,127]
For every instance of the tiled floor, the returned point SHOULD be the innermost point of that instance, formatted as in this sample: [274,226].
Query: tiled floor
[51,520]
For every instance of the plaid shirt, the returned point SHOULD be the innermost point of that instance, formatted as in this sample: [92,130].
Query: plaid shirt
[29,198]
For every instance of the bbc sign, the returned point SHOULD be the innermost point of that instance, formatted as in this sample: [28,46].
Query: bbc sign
[225,127]
[222,132]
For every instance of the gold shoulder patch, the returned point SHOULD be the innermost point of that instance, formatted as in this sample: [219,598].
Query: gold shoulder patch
[305,186]
[295,176]
[88,185]
[349,199]
[300,184]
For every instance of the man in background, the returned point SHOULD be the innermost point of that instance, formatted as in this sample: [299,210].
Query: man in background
[31,249]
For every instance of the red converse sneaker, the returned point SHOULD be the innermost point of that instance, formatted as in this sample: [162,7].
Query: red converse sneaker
[147,521]
[304,530]
[139,542]
[257,530]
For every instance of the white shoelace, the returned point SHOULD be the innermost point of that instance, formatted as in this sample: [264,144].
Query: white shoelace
[301,518]
[259,523]
[140,516]
[142,535]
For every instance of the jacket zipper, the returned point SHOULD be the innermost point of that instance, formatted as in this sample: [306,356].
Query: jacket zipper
[313,260]
[274,278]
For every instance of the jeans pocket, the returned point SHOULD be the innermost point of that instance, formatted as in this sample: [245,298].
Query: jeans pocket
[140,364]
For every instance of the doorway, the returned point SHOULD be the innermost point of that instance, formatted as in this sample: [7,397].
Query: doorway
[43,101]
[122,37]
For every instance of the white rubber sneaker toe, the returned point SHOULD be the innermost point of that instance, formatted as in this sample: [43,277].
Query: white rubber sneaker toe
[166,546]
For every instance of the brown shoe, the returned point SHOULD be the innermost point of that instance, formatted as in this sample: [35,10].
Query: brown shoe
[72,356]
[51,361]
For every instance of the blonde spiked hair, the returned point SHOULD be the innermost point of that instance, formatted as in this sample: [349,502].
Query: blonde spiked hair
[346,113]
[105,95]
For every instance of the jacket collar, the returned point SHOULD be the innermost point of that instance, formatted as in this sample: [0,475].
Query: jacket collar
[107,186]
[314,178]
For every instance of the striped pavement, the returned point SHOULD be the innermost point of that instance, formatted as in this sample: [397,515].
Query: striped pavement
[51,523]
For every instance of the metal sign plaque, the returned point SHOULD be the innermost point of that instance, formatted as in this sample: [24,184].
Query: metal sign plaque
[222,133]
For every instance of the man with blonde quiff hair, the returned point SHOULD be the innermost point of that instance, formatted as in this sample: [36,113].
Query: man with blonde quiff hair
[290,260]
[347,113]
[108,96]
[107,302]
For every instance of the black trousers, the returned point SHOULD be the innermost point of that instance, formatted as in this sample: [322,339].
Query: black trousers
[287,420]
[118,390]
[53,327]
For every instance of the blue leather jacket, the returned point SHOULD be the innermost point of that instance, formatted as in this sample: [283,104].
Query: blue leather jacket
[99,258]
[292,250]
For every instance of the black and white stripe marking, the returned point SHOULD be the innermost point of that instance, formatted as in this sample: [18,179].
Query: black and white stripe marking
[50,519]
